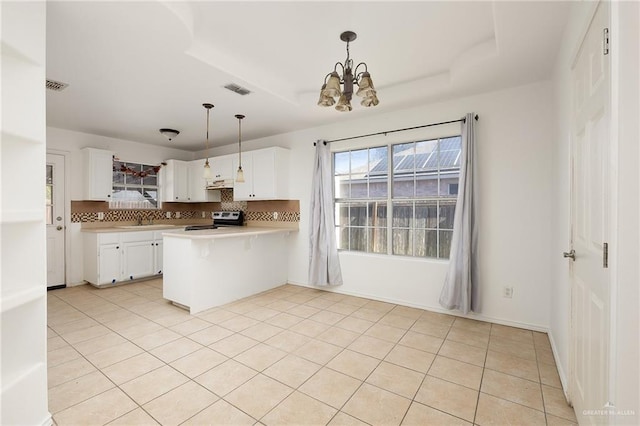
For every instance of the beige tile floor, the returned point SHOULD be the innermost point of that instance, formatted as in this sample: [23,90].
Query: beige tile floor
[290,356]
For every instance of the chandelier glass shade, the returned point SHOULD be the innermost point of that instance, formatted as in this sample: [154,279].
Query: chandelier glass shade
[341,87]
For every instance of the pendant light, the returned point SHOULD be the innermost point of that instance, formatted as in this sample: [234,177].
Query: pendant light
[207,167]
[240,174]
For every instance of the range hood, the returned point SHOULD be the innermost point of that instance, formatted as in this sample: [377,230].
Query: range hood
[220,184]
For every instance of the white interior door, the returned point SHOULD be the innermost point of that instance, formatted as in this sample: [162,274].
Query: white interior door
[55,211]
[590,189]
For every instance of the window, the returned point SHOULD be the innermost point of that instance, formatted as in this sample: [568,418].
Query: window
[135,186]
[413,184]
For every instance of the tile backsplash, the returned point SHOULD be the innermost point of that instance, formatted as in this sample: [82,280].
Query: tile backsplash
[283,211]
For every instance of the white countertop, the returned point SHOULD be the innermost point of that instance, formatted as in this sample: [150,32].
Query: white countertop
[225,232]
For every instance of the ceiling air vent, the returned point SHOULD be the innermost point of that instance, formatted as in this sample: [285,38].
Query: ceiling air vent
[56,86]
[237,89]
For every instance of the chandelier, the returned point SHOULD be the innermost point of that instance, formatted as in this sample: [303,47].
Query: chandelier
[331,88]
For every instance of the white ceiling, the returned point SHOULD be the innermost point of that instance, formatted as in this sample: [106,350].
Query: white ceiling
[135,67]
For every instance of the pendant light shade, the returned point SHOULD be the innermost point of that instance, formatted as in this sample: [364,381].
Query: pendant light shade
[324,99]
[370,101]
[207,168]
[333,86]
[344,104]
[365,87]
[240,172]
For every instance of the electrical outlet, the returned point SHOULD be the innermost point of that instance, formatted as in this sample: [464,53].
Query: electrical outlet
[100,215]
[168,215]
[275,215]
[507,292]
[204,215]
[177,215]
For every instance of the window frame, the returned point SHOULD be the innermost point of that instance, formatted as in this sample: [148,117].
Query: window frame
[149,203]
[442,197]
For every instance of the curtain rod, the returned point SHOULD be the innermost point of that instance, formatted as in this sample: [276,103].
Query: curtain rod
[463,119]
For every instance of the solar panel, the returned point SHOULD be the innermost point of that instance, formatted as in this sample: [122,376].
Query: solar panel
[381,167]
[432,163]
[421,160]
[448,158]
[407,163]
[447,144]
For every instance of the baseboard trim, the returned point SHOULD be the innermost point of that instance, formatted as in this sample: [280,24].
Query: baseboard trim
[56,287]
[563,375]
[437,309]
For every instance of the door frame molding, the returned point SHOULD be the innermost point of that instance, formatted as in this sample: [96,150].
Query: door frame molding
[67,209]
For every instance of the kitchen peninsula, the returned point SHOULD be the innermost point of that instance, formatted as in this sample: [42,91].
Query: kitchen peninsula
[208,268]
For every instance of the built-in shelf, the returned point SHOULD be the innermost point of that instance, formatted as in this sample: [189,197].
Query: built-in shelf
[9,216]
[20,298]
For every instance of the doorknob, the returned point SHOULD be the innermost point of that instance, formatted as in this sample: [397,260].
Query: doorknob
[59,228]
[571,254]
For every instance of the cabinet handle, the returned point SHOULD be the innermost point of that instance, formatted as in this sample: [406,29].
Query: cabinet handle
[130,277]
[176,198]
[109,196]
[113,281]
[117,247]
[156,244]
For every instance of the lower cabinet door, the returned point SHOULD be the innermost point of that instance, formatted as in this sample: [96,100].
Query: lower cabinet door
[110,266]
[138,259]
[158,257]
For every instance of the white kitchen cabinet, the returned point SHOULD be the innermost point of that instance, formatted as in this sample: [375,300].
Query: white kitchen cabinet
[183,181]
[109,268]
[115,257]
[222,167]
[175,181]
[98,174]
[266,175]
[137,255]
[198,192]
[157,253]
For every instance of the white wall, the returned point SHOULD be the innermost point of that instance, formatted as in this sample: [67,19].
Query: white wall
[69,143]
[515,135]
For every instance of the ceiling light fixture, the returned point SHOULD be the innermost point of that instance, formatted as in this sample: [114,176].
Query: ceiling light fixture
[240,175]
[207,167]
[331,87]
[169,133]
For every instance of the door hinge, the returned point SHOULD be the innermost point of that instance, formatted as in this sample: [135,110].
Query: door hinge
[605,41]
[605,255]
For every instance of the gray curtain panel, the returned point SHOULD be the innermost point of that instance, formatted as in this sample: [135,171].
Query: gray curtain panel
[461,283]
[324,265]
